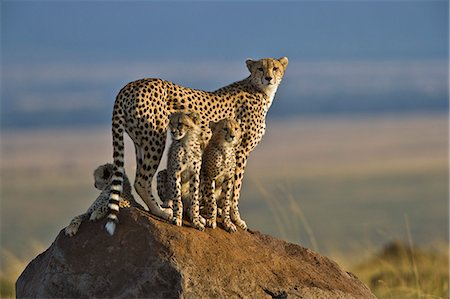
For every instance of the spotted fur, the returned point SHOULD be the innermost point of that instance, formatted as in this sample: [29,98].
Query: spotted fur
[218,169]
[183,166]
[142,109]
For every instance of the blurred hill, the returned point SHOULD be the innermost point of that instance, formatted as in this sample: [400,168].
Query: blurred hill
[74,95]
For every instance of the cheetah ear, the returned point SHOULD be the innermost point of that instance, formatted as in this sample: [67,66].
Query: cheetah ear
[106,173]
[249,63]
[284,61]
[212,125]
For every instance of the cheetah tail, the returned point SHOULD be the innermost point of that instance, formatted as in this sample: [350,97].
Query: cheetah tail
[118,176]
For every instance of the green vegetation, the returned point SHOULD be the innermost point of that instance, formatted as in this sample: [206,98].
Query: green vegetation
[401,271]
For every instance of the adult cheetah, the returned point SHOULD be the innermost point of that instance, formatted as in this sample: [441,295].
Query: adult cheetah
[142,109]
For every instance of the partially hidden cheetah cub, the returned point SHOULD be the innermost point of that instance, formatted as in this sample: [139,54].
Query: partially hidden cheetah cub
[99,209]
[218,170]
[164,194]
[183,166]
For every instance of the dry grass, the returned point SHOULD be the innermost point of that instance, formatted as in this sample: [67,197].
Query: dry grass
[403,272]
[399,270]
[341,186]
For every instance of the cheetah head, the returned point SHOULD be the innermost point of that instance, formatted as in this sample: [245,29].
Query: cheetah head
[267,72]
[181,123]
[228,130]
[103,175]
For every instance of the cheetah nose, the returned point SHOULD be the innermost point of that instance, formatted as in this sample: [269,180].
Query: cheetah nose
[269,79]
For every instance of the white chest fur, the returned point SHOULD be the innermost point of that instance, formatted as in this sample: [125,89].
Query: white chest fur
[270,93]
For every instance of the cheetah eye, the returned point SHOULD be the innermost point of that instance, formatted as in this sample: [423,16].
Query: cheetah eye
[260,69]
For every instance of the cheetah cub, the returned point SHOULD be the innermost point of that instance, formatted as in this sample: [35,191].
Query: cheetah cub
[218,169]
[99,209]
[183,165]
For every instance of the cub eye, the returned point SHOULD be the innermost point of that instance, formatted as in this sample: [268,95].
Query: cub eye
[260,69]
[275,69]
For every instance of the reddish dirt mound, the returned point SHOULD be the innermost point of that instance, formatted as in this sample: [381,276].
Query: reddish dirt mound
[149,258]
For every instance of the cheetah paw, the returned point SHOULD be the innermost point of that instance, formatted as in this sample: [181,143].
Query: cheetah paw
[177,221]
[229,226]
[71,230]
[202,220]
[241,223]
[167,204]
[198,225]
[166,213]
[96,215]
[211,223]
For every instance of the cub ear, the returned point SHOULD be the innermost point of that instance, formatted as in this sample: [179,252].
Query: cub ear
[195,117]
[171,116]
[249,63]
[212,125]
[284,61]
[106,173]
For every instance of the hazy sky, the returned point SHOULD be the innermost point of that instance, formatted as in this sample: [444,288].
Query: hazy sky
[87,50]
[98,31]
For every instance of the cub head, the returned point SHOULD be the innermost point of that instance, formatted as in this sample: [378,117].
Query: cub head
[180,123]
[103,175]
[267,72]
[226,129]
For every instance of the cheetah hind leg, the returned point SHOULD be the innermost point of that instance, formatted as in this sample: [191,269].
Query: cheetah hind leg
[153,206]
[146,171]
[161,187]
[235,215]
[210,203]
[236,218]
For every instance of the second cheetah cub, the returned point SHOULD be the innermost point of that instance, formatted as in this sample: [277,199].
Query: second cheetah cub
[218,169]
[183,165]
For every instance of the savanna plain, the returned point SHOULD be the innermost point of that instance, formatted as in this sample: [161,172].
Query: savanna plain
[370,192]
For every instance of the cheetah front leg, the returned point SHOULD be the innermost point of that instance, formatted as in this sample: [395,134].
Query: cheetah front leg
[74,225]
[97,210]
[241,161]
[210,203]
[175,192]
[226,220]
[194,201]
[99,213]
